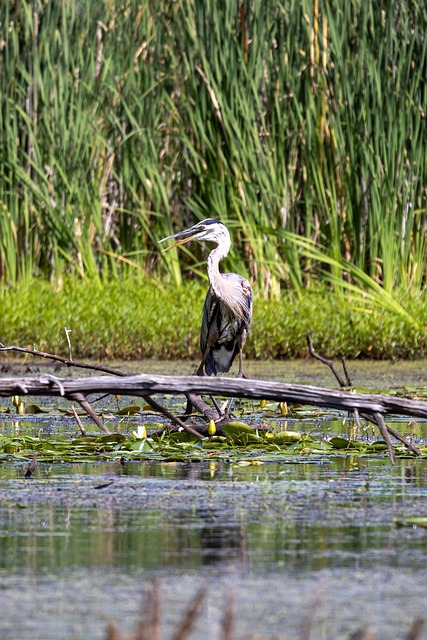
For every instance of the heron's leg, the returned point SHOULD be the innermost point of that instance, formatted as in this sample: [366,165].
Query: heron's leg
[200,372]
[240,373]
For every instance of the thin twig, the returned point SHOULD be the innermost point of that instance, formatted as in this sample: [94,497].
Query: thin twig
[65,361]
[346,372]
[67,333]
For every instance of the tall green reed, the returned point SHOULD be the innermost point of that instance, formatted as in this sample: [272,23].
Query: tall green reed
[121,122]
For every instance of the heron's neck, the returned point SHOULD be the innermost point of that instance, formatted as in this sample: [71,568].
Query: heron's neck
[214,259]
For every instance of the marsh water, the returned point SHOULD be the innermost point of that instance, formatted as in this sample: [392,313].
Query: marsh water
[295,538]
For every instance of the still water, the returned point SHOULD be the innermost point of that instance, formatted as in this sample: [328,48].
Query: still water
[79,542]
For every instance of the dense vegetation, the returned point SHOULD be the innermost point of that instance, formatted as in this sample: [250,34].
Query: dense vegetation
[133,319]
[121,121]
[301,124]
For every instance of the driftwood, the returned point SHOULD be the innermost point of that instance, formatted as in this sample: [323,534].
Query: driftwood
[373,407]
[146,385]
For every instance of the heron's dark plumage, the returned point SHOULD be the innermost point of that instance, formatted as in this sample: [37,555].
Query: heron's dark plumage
[222,330]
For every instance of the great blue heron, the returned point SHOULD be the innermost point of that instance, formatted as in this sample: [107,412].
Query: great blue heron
[228,306]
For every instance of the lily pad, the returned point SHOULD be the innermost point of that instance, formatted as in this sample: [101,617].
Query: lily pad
[33,409]
[286,437]
[340,443]
[128,411]
[413,521]
[237,428]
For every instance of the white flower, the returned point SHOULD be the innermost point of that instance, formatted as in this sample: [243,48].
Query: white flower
[140,433]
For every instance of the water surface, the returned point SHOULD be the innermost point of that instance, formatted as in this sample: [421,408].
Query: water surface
[80,541]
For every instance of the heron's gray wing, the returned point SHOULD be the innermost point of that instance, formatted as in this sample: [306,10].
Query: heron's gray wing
[209,309]
[246,288]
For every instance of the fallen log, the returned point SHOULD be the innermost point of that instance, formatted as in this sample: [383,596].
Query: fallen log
[372,407]
[146,385]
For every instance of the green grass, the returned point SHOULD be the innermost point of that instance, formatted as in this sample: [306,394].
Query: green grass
[120,121]
[143,318]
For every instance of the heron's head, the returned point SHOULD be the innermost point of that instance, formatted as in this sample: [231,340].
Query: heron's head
[209,230]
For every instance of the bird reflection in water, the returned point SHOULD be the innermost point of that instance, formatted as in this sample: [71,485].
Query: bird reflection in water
[222,536]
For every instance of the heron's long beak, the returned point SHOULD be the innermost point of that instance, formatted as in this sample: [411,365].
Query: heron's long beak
[184,236]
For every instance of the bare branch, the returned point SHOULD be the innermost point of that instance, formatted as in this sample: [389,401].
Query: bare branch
[171,417]
[79,422]
[329,363]
[376,417]
[404,441]
[65,361]
[80,398]
[379,420]
[53,380]
[346,372]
